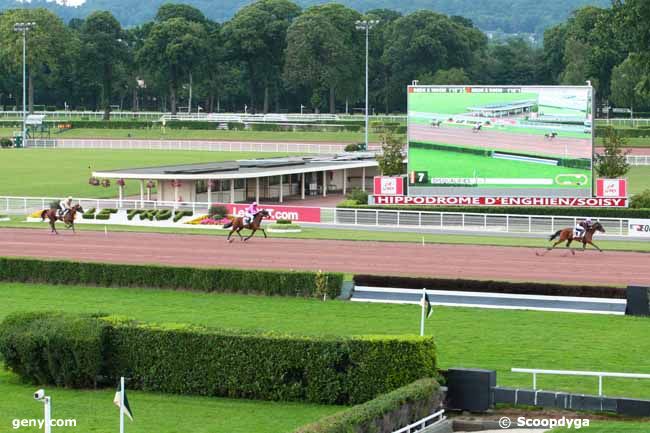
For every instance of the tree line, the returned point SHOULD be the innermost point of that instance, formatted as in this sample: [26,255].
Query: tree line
[274,56]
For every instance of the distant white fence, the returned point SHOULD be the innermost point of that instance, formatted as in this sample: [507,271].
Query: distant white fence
[638,159]
[221,146]
[599,374]
[363,218]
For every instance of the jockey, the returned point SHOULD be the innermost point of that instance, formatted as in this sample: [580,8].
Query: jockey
[582,227]
[250,212]
[64,206]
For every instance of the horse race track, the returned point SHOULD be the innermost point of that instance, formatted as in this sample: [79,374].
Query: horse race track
[434,260]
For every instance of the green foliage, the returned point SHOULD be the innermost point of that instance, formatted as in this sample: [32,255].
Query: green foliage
[112,124]
[358,195]
[53,348]
[281,221]
[5,142]
[163,215]
[515,210]
[387,412]
[355,147]
[89,214]
[289,226]
[612,163]
[391,161]
[182,213]
[130,214]
[198,279]
[641,200]
[218,212]
[240,364]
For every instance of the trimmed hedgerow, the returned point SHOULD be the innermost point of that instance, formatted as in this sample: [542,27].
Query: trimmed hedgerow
[519,210]
[54,348]
[89,214]
[182,213]
[280,283]
[236,364]
[163,215]
[490,286]
[325,370]
[384,414]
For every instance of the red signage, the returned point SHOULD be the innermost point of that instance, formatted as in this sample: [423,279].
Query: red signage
[501,201]
[611,188]
[387,185]
[293,213]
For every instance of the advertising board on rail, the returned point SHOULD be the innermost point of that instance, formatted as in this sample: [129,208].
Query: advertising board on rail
[528,141]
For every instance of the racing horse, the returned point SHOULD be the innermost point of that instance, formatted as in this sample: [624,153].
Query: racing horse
[68,218]
[237,225]
[567,235]
[477,127]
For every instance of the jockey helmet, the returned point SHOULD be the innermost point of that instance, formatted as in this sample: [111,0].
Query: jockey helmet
[588,220]
[69,198]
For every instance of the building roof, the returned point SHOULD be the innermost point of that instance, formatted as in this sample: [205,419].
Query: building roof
[246,168]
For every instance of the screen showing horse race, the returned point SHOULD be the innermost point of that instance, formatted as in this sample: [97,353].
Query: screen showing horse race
[500,140]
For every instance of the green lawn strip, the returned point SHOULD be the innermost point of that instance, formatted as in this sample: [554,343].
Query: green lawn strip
[62,172]
[356,234]
[508,129]
[482,338]
[457,103]
[638,178]
[442,164]
[95,412]
[630,142]
[610,427]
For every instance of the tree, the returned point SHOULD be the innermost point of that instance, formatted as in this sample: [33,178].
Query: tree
[391,160]
[257,35]
[50,47]
[175,10]
[612,163]
[102,50]
[324,53]
[445,77]
[626,85]
[170,50]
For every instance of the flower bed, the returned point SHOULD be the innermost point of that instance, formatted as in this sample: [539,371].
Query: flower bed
[206,220]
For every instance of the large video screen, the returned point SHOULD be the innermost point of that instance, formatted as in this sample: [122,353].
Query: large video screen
[500,140]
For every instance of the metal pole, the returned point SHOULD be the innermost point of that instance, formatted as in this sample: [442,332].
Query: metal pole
[424,291]
[122,404]
[24,84]
[367,32]
[48,414]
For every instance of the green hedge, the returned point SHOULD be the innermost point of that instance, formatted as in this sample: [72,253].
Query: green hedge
[601,131]
[282,283]
[558,211]
[449,148]
[163,215]
[194,360]
[89,214]
[182,213]
[111,124]
[54,348]
[384,414]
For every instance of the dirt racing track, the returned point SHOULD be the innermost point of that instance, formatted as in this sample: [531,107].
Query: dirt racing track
[508,142]
[383,258]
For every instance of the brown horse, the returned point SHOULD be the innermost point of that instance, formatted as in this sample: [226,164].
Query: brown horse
[68,218]
[567,235]
[237,225]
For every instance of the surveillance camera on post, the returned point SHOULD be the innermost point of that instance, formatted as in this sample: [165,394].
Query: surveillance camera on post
[39,395]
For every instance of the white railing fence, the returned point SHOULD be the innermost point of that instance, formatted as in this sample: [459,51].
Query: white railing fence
[434,418]
[219,146]
[638,159]
[599,374]
[471,222]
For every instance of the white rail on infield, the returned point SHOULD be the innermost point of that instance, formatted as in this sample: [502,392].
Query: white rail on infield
[599,374]
[444,221]
[427,421]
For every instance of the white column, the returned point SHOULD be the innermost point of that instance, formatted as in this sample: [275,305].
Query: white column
[281,189]
[324,184]
[209,192]
[345,180]
[121,190]
[302,187]
[257,189]
[141,193]
[363,178]
[232,190]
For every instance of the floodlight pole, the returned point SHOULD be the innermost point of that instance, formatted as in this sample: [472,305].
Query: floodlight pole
[366,25]
[24,28]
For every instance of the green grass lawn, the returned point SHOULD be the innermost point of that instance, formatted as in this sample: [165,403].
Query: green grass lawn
[445,164]
[353,235]
[162,413]
[62,172]
[610,427]
[343,137]
[638,178]
[494,339]
[630,142]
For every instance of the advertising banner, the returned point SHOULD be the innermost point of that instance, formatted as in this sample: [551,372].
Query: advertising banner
[611,188]
[500,201]
[387,185]
[639,228]
[293,213]
[500,140]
